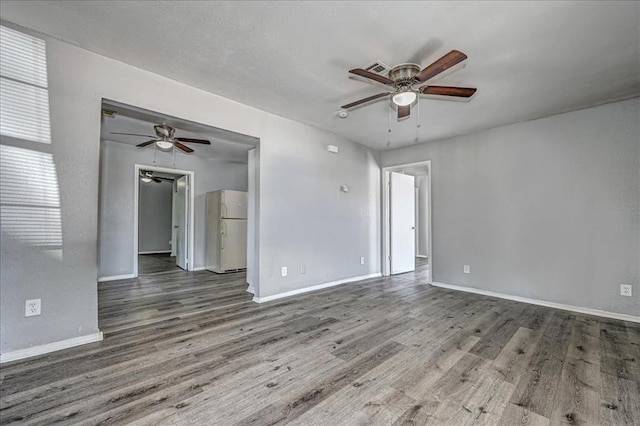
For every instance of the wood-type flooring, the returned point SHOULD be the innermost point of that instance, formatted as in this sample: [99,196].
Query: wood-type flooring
[191,348]
[157,263]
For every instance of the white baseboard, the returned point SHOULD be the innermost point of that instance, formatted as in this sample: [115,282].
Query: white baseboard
[154,252]
[198,268]
[115,277]
[251,290]
[49,347]
[589,311]
[314,288]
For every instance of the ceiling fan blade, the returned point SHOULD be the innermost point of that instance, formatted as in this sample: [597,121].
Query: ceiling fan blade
[156,180]
[404,111]
[361,101]
[461,92]
[143,144]
[372,76]
[182,147]
[447,61]
[132,134]
[191,140]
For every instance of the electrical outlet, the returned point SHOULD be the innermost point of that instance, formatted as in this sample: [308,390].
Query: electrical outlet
[467,269]
[284,271]
[362,260]
[303,269]
[625,290]
[32,308]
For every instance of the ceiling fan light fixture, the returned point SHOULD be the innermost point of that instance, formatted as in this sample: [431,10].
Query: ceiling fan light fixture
[164,145]
[145,179]
[404,98]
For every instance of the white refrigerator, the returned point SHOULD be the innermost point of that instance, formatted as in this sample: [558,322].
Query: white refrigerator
[226,231]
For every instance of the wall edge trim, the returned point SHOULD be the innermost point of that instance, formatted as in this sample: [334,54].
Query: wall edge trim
[314,288]
[572,308]
[115,277]
[49,347]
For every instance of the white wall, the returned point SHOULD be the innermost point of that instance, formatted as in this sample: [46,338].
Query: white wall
[302,215]
[546,209]
[155,216]
[116,223]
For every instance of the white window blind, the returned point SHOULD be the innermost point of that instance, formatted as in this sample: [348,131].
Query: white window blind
[24,98]
[29,191]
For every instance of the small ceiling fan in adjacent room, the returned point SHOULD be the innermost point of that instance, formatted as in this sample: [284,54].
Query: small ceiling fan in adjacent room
[165,140]
[404,83]
[147,176]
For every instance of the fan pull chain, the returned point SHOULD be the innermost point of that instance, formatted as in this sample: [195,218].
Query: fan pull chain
[389,128]
[418,123]
[155,154]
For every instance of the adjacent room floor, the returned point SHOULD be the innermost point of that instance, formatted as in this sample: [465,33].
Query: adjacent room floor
[382,351]
[154,298]
[157,263]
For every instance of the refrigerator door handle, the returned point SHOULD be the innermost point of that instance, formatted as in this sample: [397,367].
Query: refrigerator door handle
[223,229]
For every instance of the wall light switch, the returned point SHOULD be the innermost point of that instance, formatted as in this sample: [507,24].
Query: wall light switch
[467,269]
[625,290]
[303,269]
[362,260]
[284,271]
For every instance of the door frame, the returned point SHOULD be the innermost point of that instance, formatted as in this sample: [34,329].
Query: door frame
[190,219]
[386,217]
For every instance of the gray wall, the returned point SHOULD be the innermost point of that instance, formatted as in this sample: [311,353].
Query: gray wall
[306,219]
[423,219]
[289,213]
[154,216]
[116,223]
[546,209]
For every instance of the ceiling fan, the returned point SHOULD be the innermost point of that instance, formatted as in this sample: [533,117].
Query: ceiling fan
[164,139]
[147,176]
[403,81]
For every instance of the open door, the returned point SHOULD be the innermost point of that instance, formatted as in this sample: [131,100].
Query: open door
[182,197]
[402,212]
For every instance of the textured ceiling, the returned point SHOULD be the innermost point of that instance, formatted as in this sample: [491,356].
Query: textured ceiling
[527,59]
[225,145]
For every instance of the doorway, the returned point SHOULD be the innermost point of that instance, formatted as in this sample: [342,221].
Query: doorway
[407,236]
[177,254]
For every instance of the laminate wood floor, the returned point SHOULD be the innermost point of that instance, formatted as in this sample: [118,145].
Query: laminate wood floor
[157,263]
[385,351]
[150,299]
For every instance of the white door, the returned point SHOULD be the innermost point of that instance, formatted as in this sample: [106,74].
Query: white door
[233,204]
[233,244]
[182,197]
[403,223]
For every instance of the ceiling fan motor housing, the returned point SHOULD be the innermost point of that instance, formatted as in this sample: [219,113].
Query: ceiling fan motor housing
[164,131]
[403,74]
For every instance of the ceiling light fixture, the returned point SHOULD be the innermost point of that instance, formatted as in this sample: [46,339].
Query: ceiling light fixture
[164,145]
[145,179]
[404,98]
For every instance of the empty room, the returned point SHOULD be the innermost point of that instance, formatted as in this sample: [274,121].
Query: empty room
[320,213]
